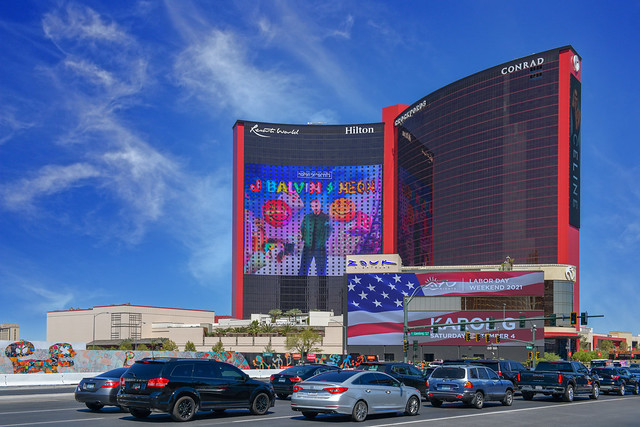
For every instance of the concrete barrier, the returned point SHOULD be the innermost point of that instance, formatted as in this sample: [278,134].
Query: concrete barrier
[17,380]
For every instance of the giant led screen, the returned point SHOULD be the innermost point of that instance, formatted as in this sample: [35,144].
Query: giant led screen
[303,220]
[376,316]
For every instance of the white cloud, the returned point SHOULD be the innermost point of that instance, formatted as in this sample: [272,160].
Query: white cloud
[47,181]
[80,23]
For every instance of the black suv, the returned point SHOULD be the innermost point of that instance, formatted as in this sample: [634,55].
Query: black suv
[403,372]
[183,386]
[284,381]
[616,380]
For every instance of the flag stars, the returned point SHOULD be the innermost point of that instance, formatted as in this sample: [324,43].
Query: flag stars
[392,286]
[377,303]
[363,295]
[352,287]
[410,285]
[378,278]
[385,295]
[405,293]
[398,303]
[371,288]
[397,278]
[356,280]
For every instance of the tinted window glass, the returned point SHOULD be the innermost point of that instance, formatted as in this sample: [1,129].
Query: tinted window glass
[298,370]
[517,366]
[146,369]
[182,370]
[414,371]
[448,373]
[386,380]
[473,373]
[114,373]
[205,370]
[334,376]
[482,374]
[492,375]
[372,367]
[401,370]
[366,379]
[230,372]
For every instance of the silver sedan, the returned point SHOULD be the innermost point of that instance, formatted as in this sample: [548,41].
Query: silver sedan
[355,393]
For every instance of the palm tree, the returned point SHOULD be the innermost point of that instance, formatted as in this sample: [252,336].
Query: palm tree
[275,313]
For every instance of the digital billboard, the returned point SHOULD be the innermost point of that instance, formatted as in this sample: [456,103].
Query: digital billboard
[376,316]
[303,220]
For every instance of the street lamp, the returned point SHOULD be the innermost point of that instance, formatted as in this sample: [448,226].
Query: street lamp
[93,341]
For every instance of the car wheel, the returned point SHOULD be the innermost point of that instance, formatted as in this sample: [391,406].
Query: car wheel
[309,415]
[94,406]
[139,413]
[260,404]
[636,389]
[568,394]
[527,395]
[282,396]
[508,398]
[184,409]
[596,392]
[621,390]
[435,402]
[360,411]
[413,405]
[478,400]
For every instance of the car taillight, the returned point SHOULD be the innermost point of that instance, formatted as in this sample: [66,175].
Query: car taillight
[559,378]
[468,384]
[500,374]
[295,379]
[335,390]
[110,384]
[427,383]
[122,382]
[272,377]
[296,388]
[157,382]
[518,377]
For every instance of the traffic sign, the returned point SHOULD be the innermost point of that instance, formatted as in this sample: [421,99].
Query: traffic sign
[421,333]
[529,347]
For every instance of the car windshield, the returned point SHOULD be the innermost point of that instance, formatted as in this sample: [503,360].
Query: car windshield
[557,367]
[298,370]
[449,372]
[334,376]
[146,369]
[114,373]
[372,367]
[603,370]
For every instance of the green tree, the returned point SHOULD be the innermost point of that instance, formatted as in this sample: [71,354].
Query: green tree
[168,345]
[254,328]
[268,348]
[304,342]
[623,346]
[189,346]
[287,329]
[143,347]
[606,345]
[267,328]
[585,356]
[218,347]
[126,345]
[275,313]
[550,356]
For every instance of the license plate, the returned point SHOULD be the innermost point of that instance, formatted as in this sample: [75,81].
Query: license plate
[445,387]
[89,386]
[136,386]
[538,387]
[281,380]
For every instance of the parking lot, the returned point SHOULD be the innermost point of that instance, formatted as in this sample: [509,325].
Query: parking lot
[56,406]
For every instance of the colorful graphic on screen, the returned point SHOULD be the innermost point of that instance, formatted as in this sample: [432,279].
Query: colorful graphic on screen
[302,220]
[376,316]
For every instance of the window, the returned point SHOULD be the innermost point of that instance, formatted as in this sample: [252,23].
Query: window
[183,370]
[367,379]
[483,374]
[205,370]
[231,372]
[473,373]
[492,374]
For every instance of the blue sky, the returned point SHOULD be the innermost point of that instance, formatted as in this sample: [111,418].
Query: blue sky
[116,119]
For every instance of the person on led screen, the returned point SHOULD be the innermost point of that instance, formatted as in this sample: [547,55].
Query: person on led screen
[315,230]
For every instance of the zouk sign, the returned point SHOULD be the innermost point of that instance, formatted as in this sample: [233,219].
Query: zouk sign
[387,263]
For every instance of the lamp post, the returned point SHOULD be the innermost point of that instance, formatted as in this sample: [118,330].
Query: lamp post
[93,341]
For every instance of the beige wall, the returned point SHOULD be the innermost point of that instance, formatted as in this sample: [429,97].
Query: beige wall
[77,325]
[9,331]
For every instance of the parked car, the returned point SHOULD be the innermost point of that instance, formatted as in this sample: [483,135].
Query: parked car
[101,390]
[183,386]
[403,372]
[560,379]
[284,381]
[507,369]
[354,392]
[470,384]
[635,372]
[616,380]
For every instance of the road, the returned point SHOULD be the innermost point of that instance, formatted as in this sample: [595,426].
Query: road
[56,406]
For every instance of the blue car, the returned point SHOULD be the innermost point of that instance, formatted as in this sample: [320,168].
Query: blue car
[470,384]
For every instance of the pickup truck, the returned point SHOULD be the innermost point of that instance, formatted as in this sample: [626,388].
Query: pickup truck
[559,379]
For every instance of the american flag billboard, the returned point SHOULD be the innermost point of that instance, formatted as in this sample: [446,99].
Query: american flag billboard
[376,317]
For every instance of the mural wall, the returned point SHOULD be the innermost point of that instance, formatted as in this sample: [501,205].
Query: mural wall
[21,357]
